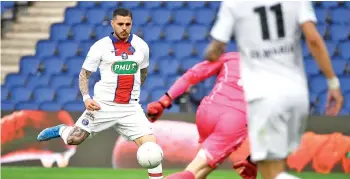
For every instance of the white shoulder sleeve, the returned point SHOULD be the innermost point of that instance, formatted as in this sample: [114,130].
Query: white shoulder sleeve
[307,12]
[93,58]
[224,26]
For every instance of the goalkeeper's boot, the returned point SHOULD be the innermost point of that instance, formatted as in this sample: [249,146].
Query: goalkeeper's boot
[50,133]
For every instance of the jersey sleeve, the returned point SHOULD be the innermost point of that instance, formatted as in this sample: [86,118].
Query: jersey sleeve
[197,73]
[224,26]
[307,12]
[145,61]
[93,58]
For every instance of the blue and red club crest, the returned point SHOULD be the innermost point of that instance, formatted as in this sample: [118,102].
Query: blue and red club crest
[124,56]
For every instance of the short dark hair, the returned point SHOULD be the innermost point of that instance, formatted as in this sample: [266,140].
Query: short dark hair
[122,12]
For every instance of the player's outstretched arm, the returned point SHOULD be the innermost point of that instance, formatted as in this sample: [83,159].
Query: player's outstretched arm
[319,51]
[144,73]
[90,104]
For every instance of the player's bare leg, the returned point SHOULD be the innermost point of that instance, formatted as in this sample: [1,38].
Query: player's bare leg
[273,169]
[154,173]
[73,135]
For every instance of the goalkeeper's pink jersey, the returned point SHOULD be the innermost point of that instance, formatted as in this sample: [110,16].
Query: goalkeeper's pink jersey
[227,91]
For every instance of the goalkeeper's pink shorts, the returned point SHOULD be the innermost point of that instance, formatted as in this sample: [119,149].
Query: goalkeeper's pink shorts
[221,130]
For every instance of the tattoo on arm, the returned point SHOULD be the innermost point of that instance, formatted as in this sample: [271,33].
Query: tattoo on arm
[84,81]
[78,132]
[144,73]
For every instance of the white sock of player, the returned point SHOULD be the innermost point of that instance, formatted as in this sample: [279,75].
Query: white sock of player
[285,175]
[156,173]
[64,132]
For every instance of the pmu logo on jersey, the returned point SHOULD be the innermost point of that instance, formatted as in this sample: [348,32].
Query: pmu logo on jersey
[125,67]
[124,56]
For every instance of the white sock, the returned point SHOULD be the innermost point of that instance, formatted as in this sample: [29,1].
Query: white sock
[64,132]
[156,173]
[285,175]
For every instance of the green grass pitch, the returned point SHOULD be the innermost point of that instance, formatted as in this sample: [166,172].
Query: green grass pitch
[98,173]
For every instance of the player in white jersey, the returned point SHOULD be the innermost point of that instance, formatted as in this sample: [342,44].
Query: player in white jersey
[123,59]
[268,34]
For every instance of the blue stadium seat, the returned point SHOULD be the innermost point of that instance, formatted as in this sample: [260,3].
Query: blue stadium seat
[321,104]
[197,92]
[322,28]
[161,16]
[144,96]
[85,47]
[19,94]
[321,15]
[231,47]
[86,4]
[345,84]
[215,4]
[197,32]
[74,66]
[157,82]
[318,84]
[103,31]
[68,49]
[340,16]
[74,16]
[205,16]
[175,5]
[174,109]
[152,4]
[339,65]
[183,49]
[159,49]
[313,97]
[43,94]
[329,4]
[153,33]
[26,106]
[59,31]
[140,16]
[82,31]
[53,66]
[174,32]
[45,48]
[13,80]
[169,66]
[4,93]
[29,65]
[305,48]
[157,93]
[109,5]
[170,80]
[209,83]
[195,4]
[37,81]
[344,50]
[339,32]
[74,106]
[188,63]
[50,106]
[65,95]
[59,81]
[347,4]
[7,105]
[311,66]
[331,46]
[183,16]
[131,4]
[201,46]
[96,16]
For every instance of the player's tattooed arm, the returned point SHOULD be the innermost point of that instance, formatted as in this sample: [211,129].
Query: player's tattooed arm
[84,81]
[144,73]
[214,50]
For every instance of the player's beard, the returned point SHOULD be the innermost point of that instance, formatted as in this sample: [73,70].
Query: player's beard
[120,38]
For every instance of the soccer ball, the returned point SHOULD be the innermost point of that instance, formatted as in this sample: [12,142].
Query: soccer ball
[149,155]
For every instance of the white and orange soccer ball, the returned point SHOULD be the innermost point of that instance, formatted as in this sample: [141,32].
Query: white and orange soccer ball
[149,155]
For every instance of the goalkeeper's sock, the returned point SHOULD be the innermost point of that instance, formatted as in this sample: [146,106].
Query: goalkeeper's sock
[285,175]
[156,173]
[182,175]
[64,132]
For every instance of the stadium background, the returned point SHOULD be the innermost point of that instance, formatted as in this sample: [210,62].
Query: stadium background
[43,45]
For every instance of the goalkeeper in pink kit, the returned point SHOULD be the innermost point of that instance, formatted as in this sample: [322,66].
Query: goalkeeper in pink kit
[221,116]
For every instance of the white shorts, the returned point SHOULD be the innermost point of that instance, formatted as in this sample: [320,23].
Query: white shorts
[276,126]
[128,120]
